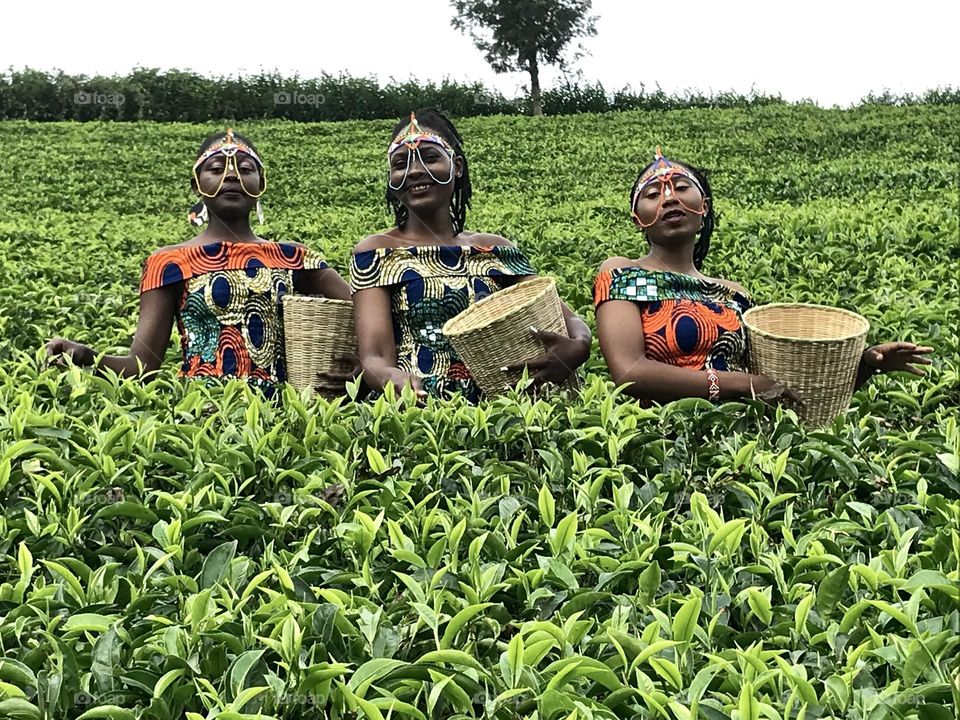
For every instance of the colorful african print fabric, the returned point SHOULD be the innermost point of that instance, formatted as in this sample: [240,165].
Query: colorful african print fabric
[687,322]
[229,313]
[428,286]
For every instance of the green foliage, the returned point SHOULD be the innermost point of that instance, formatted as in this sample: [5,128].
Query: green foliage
[512,33]
[173,550]
[525,34]
[183,96]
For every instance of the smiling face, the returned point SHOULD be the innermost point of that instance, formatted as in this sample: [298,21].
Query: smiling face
[422,178]
[229,184]
[670,209]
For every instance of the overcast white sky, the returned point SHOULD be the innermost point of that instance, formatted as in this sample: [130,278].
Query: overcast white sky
[831,51]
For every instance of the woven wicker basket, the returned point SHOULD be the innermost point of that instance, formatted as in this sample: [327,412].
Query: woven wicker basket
[495,332]
[319,337]
[813,349]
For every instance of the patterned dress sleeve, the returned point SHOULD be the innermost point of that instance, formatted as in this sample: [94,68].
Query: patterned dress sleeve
[164,267]
[371,268]
[631,283]
[170,266]
[513,265]
[745,301]
[313,260]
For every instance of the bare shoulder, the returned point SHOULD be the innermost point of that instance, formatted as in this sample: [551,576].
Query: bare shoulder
[376,241]
[485,239]
[617,262]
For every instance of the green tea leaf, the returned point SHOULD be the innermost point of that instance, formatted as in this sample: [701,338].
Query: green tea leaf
[832,588]
[458,621]
[108,712]
[685,621]
[546,505]
[88,622]
[217,563]
[747,705]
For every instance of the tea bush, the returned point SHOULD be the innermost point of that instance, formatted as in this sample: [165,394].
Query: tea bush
[172,550]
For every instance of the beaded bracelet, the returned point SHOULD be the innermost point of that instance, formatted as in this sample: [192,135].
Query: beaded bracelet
[713,379]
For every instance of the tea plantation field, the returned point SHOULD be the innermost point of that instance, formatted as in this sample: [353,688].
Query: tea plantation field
[169,550]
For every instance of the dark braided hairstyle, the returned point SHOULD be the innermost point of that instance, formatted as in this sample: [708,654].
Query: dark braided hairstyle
[433,119]
[702,246]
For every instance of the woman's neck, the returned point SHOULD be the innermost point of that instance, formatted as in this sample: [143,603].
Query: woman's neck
[673,259]
[434,229]
[235,230]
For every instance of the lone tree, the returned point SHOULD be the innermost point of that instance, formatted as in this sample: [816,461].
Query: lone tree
[519,35]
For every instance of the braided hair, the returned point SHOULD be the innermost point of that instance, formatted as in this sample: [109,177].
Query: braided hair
[462,189]
[702,246]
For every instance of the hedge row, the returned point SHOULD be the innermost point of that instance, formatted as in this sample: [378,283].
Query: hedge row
[180,96]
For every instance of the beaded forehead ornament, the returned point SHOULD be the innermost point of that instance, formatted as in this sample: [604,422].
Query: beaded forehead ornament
[665,171]
[229,147]
[411,137]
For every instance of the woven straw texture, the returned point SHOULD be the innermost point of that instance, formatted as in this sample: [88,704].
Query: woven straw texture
[495,332]
[813,349]
[318,334]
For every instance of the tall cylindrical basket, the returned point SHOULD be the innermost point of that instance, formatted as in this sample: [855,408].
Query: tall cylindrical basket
[319,337]
[813,349]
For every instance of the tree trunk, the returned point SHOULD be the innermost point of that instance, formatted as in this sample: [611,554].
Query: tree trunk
[535,95]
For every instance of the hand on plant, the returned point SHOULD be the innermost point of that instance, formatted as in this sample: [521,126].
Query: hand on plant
[897,357]
[400,379]
[773,392]
[59,348]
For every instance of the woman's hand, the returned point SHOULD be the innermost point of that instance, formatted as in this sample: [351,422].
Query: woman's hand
[773,392]
[400,379]
[897,357]
[57,348]
[562,357]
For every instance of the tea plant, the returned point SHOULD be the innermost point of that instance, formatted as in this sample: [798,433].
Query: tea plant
[171,550]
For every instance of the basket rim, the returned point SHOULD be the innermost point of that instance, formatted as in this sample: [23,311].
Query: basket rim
[774,336]
[314,298]
[547,282]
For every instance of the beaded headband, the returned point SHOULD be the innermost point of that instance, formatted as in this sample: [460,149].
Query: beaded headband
[413,134]
[228,146]
[664,171]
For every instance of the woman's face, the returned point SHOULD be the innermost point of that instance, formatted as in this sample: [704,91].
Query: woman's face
[221,172]
[425,176]
[670,211]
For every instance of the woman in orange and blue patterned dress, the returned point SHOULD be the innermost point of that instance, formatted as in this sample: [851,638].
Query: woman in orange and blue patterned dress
[224,286]
[409,280]
[668,331]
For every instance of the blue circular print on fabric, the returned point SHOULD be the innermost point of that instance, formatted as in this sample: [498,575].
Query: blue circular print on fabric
[220,291]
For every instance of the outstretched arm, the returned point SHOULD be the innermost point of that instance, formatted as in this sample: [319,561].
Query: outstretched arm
[157,309]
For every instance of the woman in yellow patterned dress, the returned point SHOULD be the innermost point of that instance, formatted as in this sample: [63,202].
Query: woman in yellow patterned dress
[223,287]
[411,279]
